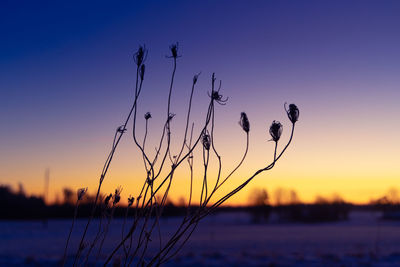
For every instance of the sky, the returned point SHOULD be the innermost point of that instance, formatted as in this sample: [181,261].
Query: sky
[67,82]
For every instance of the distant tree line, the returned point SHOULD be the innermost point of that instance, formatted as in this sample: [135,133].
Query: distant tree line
[15,204]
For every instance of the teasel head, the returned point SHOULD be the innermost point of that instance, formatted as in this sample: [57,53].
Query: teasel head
[147,116]
[244,122]
[81,192]
[292,112]
[141,71]
[206,140]
[174,50]
[275,130]
[140,56]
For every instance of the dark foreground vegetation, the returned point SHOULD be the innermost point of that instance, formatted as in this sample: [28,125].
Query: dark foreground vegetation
[17,205]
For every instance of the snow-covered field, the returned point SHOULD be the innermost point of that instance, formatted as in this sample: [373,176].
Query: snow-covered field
[226,240]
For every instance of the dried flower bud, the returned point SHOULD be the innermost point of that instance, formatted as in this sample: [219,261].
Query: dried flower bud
[81,192]
[275,130]
[174,50]
[206,140]
[141,71]
[130,200]
[140,56]
[147,115]
[244,122]
[292,112]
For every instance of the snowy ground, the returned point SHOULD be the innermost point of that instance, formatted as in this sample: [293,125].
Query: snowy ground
[227,240]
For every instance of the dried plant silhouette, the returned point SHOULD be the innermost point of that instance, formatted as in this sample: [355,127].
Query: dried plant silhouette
[143,226]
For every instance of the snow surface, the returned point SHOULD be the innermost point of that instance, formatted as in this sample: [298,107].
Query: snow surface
[228,239]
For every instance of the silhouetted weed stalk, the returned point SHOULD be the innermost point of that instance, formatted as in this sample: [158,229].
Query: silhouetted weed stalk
[147,208]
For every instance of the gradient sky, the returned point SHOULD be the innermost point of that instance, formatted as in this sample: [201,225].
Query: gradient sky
[66,78]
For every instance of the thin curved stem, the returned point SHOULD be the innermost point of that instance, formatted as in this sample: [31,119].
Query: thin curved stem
[70,232]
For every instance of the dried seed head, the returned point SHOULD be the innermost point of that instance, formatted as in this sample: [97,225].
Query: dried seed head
[130,200]
[292,112]
[117,195]
[206,140]
[174,50]
[275,130]
[140,56]
[81,192]
[216,96]
[244,122]
[147,115]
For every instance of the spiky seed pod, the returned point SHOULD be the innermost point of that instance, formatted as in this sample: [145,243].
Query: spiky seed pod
[244,122]
[140,55]
[206,140]
[292,112]
[174,50]
[147,115]
[275,130]
[81,192]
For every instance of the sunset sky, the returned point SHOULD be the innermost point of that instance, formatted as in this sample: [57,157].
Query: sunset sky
[67,77]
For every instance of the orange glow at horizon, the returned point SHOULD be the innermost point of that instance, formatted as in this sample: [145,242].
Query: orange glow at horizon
[315,164]
[358,190]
